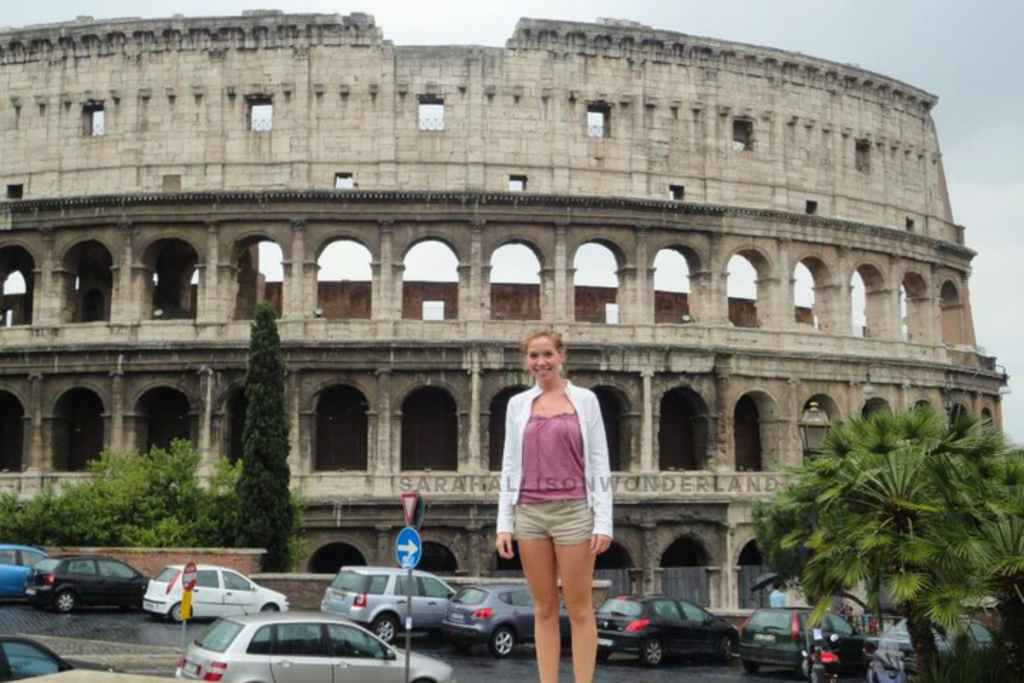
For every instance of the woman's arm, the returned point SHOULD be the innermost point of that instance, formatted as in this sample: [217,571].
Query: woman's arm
[600,470]
[506,515]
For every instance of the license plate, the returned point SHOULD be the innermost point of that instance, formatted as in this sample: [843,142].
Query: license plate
[766,637]
[146,604]
[30,591]
[605,642]
[191,668]
[456,616]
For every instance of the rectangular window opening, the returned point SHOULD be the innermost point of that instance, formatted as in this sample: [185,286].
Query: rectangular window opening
[15,191]
[517,183]
[676,193]
[93,119]
[863,159]
[344,181]
[811,207]
[910,224]
[742,135]
[599,119]
[611,314]
[171,183]
[431,113]
[433,310]
[261,114]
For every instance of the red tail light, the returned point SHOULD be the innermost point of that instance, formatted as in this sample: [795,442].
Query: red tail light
[794,627]
[359,600]
[484,613]
[216,671]
[171,584]
[636,625]
[50,580]
[829,658]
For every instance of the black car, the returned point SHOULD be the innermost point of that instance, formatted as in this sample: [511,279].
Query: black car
[22,658]
[68,582]
[658,626]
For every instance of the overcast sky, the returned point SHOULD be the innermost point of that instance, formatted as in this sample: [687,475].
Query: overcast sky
[970,54]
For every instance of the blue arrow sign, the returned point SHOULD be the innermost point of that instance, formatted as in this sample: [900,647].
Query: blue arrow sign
[408,548]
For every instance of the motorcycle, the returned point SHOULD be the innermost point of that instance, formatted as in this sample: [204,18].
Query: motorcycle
[886,666]
[821,664]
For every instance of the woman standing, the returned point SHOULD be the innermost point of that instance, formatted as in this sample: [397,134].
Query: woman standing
[556,500]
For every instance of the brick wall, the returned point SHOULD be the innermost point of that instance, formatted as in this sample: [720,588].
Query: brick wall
[415,293]
[515,302]
[149,561]
[344,300]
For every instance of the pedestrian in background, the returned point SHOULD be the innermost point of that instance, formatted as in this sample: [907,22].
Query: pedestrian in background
[778,596]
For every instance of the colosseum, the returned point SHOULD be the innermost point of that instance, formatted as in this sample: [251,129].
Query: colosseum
[152,167]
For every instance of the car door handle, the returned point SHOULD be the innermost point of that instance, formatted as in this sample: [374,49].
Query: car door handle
[401,602]
[285,663]
[342,665]
[432,602]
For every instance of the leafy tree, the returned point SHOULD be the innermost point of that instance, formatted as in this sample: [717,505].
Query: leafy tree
[266,514]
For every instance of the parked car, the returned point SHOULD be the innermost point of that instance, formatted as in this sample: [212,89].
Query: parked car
[896,636]
[218,592]
[301,647]
[22,658]
[66,583]
[776,637]
[500,615]
[659,626]
[16,562]
[376,597]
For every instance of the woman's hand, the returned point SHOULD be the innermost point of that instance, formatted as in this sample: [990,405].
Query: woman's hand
[599,543]
[503,544]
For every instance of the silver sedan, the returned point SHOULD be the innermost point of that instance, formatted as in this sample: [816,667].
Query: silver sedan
[300,648]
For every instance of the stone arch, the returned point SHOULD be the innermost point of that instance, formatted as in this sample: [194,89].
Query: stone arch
[17,285]
[987,415]
[539,252]
[432,297]
[421,238]
[922,404]
[163,414]
[12,433]
[673,295]
[77,429]
[683,430]
[616,557]
[615,410]
[751,565]
[438,559]
[256,280]
[952,307]
[515,295]
[88,282]
[596,281]
[332,556]
[823,305]
[755,432]
[750,554]
[744,312]
[430,430]
[171,279]
[344,293]
[828,404]
[917,305]
[874,405]
[496,425]
[875,308]
[342,430]
[958,411]
[339,234]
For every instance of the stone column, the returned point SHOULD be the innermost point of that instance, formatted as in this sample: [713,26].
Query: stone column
[783,297]
[473,533]
[381,458]
[207,379]
[466,301]
[647,462]
[294,288]
[297,465]
[844,302]
[718,450]
[474,454]
[709,288]
[125,305]
[383,545]
[644,314]
[212,307]
[649,557]
[37,454]
[47,299]
[548,299]
[384,277]
[477,303]
[626,297]
[565,299]
[117,440]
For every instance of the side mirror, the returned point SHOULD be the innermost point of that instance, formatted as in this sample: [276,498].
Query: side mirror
[390,655]
[834,638]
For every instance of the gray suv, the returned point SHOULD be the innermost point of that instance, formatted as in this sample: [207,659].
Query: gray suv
[500,615]
[376,598]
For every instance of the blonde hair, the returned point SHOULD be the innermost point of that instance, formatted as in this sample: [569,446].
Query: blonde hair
[555,337]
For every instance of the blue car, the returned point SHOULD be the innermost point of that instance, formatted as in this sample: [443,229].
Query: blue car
[16,562]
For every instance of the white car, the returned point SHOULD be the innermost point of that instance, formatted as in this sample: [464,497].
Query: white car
[219,592]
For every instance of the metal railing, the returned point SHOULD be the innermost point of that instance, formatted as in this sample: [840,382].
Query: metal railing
[432,124]
[596,131]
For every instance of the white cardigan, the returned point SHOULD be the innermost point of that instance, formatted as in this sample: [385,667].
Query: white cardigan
[597,472]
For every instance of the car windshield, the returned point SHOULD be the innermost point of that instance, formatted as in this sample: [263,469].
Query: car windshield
[166,575]
[349,581]
[470,596]
[47,565]
[621,608]
[219,636]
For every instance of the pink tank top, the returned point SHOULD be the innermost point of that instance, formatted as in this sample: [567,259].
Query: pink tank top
[552,459]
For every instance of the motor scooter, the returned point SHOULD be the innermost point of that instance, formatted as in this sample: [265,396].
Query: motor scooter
[821,664]
[886,666]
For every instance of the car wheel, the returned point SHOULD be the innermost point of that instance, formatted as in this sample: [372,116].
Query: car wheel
[270,607]
[502,641]
[65,601]
[751,667]
[385,627]
[724,653]
[174,614]
[651,652]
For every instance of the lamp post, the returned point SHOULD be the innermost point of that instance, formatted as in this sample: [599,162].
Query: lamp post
[814,425]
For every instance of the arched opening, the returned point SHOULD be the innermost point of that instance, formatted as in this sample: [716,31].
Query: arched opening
[496,425]
[237,407]
[174,286]
[958,411]
[828,404]
[615,413]
[88,283]
[868,302]
[614,565]
[515,283]
[986,415]
[163,415]
[747,289]
[12,427]
[923,405]
[259,276]
[915,308]
[952,314]
[682,431]
[747,435]
[430,282]
[875,406]
[814,295]
[672,291]
[430,431]
[344,282]
[77,430]
[334,556]
[16,286]
[341,430]
[685,571]
[596,284]
[437,559]
[751,566]
[508,569]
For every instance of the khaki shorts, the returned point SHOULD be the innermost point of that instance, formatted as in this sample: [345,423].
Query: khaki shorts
[566,522]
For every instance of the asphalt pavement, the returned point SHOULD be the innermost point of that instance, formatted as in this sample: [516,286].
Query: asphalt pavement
[134,642]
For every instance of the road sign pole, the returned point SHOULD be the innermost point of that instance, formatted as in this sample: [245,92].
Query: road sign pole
[408,624]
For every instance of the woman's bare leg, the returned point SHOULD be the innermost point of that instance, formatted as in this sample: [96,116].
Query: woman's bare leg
[538,557]
[577,566]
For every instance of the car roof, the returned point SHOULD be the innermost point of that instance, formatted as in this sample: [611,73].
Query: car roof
[203,567]
[11,546]
[359,569]
[87,557]
[287,617]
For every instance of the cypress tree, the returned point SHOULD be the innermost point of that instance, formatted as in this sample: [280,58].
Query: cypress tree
[265,517]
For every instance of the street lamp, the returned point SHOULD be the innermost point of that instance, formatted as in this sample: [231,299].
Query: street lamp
[814,425]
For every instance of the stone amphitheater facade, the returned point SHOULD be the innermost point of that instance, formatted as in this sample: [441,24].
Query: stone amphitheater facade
[142,169]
